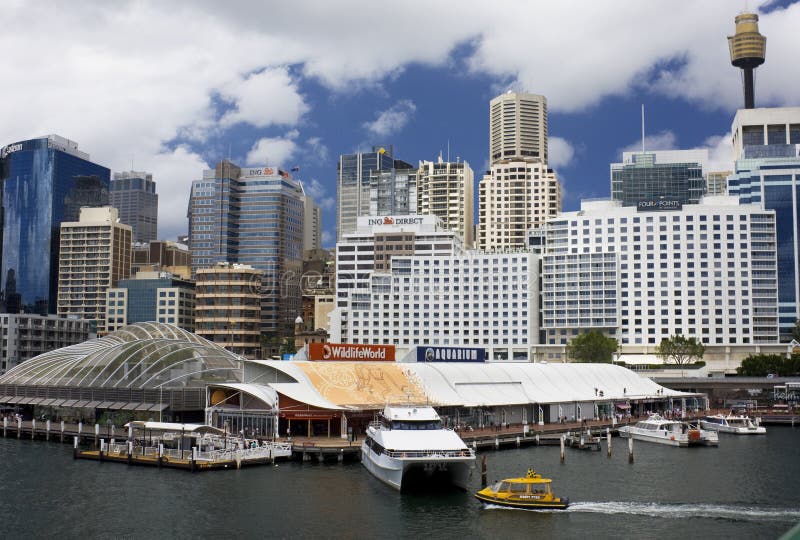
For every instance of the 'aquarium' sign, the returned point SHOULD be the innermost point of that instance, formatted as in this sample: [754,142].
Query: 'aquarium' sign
[347,351]
[450,354]
[659,205]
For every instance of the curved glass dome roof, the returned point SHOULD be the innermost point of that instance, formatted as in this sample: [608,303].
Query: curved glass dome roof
[142,355]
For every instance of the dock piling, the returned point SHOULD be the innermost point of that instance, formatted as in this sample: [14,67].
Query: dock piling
[608,441]
[48,429]
[562,448]
[483,471]
[630,450]
[19,427]
[75,448]
[62,431]
[537,439]
[33,429]
[5,426]
[96,434]
[517,441]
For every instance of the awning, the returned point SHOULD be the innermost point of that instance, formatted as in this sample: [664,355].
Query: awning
[25,400]
[82,404]
[159,407]
[6,399]
[58,403]
[105,405]
[130,406]
[69,403]
[623,405]
[144,407]
[92,404]
[47,402]
[117,405]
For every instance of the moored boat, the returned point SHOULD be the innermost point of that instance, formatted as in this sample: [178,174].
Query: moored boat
[530,492]
[671,432]
[409,443]
[738,424]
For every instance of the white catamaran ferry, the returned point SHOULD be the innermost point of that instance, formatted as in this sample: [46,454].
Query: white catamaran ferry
[409,443]
[672,432]
[732,423]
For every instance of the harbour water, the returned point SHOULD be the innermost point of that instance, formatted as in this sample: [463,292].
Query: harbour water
[748,487]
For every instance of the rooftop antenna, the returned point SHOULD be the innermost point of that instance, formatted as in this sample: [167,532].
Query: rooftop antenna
[642,128]
[448,150]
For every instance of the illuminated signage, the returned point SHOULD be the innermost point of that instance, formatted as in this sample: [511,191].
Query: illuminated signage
[391,220]
[347,351]
[450,354]
[260,172]
[658,205]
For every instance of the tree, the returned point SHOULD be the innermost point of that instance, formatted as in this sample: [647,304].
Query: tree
[680,350]
[592,346]
[761,365]
[796,331]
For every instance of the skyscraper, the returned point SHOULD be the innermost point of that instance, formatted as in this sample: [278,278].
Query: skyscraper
[372,183]
[134,195]
[446,189]
[312,224]
[252,216]
[668,175]
[515,196]
[518,127]
[767,172]
[45,182]
[94,254]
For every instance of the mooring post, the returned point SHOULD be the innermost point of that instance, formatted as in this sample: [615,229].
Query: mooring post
[160,453]
[96,434]
[62,431]
[537,439]
[517,441]
[608,441]
[630,450]
[75,448]
[483,471]
[100,453]
[562,448]
[497,442]
[19,427]
[194,458]
[48,429]
[5,425]
[33,428]
[130,452]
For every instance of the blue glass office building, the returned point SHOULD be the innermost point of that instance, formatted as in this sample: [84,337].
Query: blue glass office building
[45,182]
[770,175]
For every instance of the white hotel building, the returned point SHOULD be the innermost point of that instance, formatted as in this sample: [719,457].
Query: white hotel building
[707,270]
[468,300]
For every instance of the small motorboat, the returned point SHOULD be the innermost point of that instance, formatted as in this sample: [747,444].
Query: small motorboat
[531,492]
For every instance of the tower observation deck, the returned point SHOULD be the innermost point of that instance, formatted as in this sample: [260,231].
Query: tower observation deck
[748,50]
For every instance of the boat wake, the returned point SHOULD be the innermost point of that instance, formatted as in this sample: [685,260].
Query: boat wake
[682,511]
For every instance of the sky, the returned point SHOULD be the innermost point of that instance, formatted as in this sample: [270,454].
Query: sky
[173,87]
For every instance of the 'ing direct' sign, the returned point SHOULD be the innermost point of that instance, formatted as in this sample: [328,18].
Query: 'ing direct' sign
[346,351]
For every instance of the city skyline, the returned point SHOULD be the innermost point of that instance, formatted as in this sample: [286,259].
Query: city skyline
[304,94]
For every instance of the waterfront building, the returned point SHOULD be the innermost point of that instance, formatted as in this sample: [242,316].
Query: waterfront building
[252,216]
[672,175]
[134,195]
[462,299]
[446,189]
[45,181]
[228,307]
[642,274]
[94,254]
[514,197]
[767,173]
[151,296]
[162,256]
[25,336]
[372,183]
[379,239]
[518,127]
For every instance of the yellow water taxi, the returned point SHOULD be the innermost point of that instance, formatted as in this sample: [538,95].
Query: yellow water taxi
[530,491]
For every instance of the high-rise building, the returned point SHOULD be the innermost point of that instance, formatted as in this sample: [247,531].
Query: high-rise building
[252,216]
[717,182]
[94,254]
[644,274]
[162,256]
[766,147]
[45,181]
[518,127]
[371,184]
[515,196]
[672,175]
[312,224]
[228,307]
[134,195]
[446,190]
[151,296]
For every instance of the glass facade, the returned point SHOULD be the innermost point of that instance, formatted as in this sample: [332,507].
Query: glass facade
[45,182]
[645,180]
[356,174]
[134,195]
[773,183]
[252,216]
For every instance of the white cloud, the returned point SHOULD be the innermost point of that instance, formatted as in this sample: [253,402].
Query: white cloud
[560,152]
[392,119]
[328,239]
[265,98]
[665,140]
[720,152]
[319,193]
[273,150]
